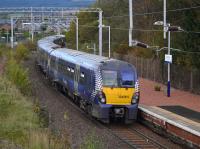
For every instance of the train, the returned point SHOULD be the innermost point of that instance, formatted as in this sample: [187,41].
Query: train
[105,88]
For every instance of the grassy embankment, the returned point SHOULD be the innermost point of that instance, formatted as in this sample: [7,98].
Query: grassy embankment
[20,123]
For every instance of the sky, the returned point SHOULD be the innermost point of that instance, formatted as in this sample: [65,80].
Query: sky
[45,3]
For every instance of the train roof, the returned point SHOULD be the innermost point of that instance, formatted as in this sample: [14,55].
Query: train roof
[81,58]
[47,43]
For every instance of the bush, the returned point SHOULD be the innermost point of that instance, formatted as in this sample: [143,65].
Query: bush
[21,53]
[18,76]
[157,88]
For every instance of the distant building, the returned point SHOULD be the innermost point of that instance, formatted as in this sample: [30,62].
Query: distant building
[5,27]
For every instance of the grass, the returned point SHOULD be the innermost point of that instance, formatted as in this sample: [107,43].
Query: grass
[16,114]
[1,53]
[92,142]
[22,123]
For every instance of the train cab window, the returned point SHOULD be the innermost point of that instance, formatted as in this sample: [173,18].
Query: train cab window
[127,79]
[110,78]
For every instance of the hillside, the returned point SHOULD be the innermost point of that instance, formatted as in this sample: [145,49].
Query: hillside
[183,13]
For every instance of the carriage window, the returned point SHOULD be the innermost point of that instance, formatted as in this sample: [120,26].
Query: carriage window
[68,68]
[109,78]
[82,75]
[72,70]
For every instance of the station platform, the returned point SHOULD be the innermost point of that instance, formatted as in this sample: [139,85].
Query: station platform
[177,116]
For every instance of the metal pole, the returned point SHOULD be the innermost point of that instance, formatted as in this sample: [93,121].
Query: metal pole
[94,48]
[77,33]
[100,32]
[11,39]
[164,18]
[32,24]
[42,14]
[7,36]
[62,12]
[109,40]
[131,22]
[168,78]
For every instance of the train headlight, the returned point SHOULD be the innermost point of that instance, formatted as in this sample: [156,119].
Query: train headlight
[103,100]
[102,97]
[135,98]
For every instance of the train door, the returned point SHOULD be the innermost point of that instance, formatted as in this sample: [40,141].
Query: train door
[76,79]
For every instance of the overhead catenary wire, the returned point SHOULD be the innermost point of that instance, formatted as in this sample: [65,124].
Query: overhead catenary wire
[142,30]
[156,12]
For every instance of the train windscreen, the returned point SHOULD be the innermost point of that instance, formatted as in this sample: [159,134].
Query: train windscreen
[127,79]
[110,78]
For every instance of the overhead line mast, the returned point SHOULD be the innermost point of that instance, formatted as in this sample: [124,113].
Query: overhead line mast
[131,22]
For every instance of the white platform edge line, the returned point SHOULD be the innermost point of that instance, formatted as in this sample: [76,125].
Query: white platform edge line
[170,121]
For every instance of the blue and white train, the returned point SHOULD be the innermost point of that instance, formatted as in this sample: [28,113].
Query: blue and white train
[105,88]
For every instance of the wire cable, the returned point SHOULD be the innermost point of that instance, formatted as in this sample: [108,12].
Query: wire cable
[156,12]
[142,30]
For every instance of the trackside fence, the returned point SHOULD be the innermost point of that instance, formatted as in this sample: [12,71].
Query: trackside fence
[155,70]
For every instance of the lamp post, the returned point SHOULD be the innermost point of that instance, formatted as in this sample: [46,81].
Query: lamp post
[168,57]
[108,38]
[12,34]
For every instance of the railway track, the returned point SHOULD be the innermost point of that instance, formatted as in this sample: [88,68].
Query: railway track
[134,138]
[127,134]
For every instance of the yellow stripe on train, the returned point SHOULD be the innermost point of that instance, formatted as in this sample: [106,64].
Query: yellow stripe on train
[118,96]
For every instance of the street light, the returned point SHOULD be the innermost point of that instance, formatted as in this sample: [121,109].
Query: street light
[108,38]
[168,57]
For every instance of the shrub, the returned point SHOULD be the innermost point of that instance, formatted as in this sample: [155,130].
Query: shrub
[18,76]
[157,88]
[21,53]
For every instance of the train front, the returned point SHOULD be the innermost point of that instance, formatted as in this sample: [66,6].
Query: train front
[119,95]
